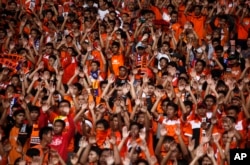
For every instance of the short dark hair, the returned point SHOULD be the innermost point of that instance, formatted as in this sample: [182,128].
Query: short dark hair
[136,124]
[209,96]
[17,112]
[96,149]
[34,109]
[78,86]
[65,101]
[44,131]
[172,104]
[233,107]
[202,62]
[231,118]
[218,47]
[104,122]
[31,152]
[142,161]
[188,103]
[60,121]
[96,62]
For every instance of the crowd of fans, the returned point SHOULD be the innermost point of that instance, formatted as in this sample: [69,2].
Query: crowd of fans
[124,82]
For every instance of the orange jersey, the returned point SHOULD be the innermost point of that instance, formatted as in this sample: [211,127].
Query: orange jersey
[117,61]
[243,28]
[199,22]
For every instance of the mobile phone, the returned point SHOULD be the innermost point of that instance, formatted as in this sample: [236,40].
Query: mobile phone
[142,20]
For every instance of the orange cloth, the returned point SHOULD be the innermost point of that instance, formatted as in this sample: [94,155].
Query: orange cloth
[199,25]
[13,154]
[171,126]
[46,156]
[101,137]
[243,28]
[117,61]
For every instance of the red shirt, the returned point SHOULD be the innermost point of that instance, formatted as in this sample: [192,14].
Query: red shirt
[61,142]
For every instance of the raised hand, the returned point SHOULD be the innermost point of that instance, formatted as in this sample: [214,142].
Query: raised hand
[45,107]
[110,160]
[188,88]
[77,71]
[111,79]
[163,130]
[142,134]
[210,152]
[7,147]
[199,151]
[92,140]
[83,142]
[112,140]
[191,145]
[216,138]
[74,159]
[178,130]
[92,105]
[125,132]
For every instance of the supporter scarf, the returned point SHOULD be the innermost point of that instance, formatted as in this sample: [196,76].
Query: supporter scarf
[101,137]
[94,75]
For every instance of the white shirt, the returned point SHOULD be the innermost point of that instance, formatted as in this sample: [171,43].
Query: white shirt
[102,13]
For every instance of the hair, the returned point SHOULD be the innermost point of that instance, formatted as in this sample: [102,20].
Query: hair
[116,44]
[64,101]
[202,62]
[164,58]
[209,96]
[165,100]
[103,82]
[168,139]
[78,86]
[53,56]
[49,44]
[17,161]
[218,47]
[174,12]
[31,152]
[224,93]
[96,62]
[34,109]
[17,112]
[136,124]
[173,64]
[188,103]
[77,21]
[183,78]
[201,106]
[60,121]
[44,131]
[142,161]
[232,119]
[96,149]
[15,75]
[234,108]
[216,40]
[103,150]
[104,122]
[172,104]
